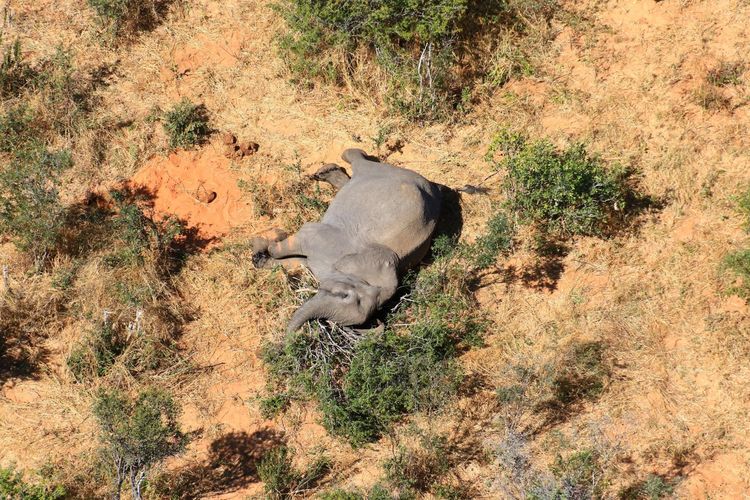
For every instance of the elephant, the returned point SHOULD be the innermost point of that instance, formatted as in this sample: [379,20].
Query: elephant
[379,224]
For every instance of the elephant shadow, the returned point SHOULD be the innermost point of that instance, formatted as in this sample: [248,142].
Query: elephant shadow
[451,221]
[231,465]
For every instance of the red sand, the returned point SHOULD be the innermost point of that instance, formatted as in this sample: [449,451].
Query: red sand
[183,183]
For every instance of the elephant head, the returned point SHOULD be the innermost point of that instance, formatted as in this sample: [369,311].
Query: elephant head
[361,283]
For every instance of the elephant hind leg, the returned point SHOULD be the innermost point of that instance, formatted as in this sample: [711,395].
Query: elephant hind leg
[289,247]
[333,174]
[260,243]
[290,264]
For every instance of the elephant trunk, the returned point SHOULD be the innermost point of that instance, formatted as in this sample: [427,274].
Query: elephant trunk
[316,307]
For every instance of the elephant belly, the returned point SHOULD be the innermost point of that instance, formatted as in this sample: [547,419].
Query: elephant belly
[400,215]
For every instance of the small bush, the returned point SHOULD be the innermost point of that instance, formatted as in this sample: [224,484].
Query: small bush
[96,354]
[124,18]
[282,480]
[737,266]
[653,488]
[186,124]
[13,486]
[138,236]
[419,469]
[137,434]
[16,129]
[582,373]
[566,192]
[711,98]
[726,74]
[30,208]
[497,240]
[15,74]
[272,405]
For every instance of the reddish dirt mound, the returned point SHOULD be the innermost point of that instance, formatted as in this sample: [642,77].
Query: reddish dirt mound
[197,187]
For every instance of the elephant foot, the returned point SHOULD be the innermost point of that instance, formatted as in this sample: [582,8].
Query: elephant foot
[260,259]
[332,174]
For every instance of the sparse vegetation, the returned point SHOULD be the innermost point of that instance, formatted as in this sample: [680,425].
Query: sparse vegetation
[565,193]
[124,18]
[282,480]
[653,488]
[736,265]
[15,73]
[137,434]
[30,208]
[186,124]
[14,486]
[420,469]
[726,73]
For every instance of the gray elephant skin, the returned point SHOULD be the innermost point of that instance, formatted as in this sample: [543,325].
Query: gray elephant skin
[379,224]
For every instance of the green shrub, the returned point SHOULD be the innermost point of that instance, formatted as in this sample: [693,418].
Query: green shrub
[339,494]
[16,128]
[137,434]
[582,373]
[282,480]
[15,74]
[274,404]
[96,354]
[568,192]
[364,382]
[186,124]
[13,486]
[737,266]
[30,208]
[497,240]
[138,236]
[653,488]
[417,43]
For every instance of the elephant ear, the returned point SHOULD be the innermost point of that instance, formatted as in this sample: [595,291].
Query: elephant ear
[376,265]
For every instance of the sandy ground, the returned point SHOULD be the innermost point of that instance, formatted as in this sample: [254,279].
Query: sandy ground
[677,403]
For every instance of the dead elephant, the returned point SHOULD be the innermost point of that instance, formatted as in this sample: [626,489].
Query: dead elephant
[378,225]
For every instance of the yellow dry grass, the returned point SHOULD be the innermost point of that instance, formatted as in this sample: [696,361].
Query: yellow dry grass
[676,400]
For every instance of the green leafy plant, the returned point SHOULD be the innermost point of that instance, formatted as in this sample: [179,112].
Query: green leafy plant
[736,265]
[282,480]
[186,124]
[138,235]
[563,192]
[16,128]
[416,43]
[30,208]
[365,382]
[13,486]
[137,434]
